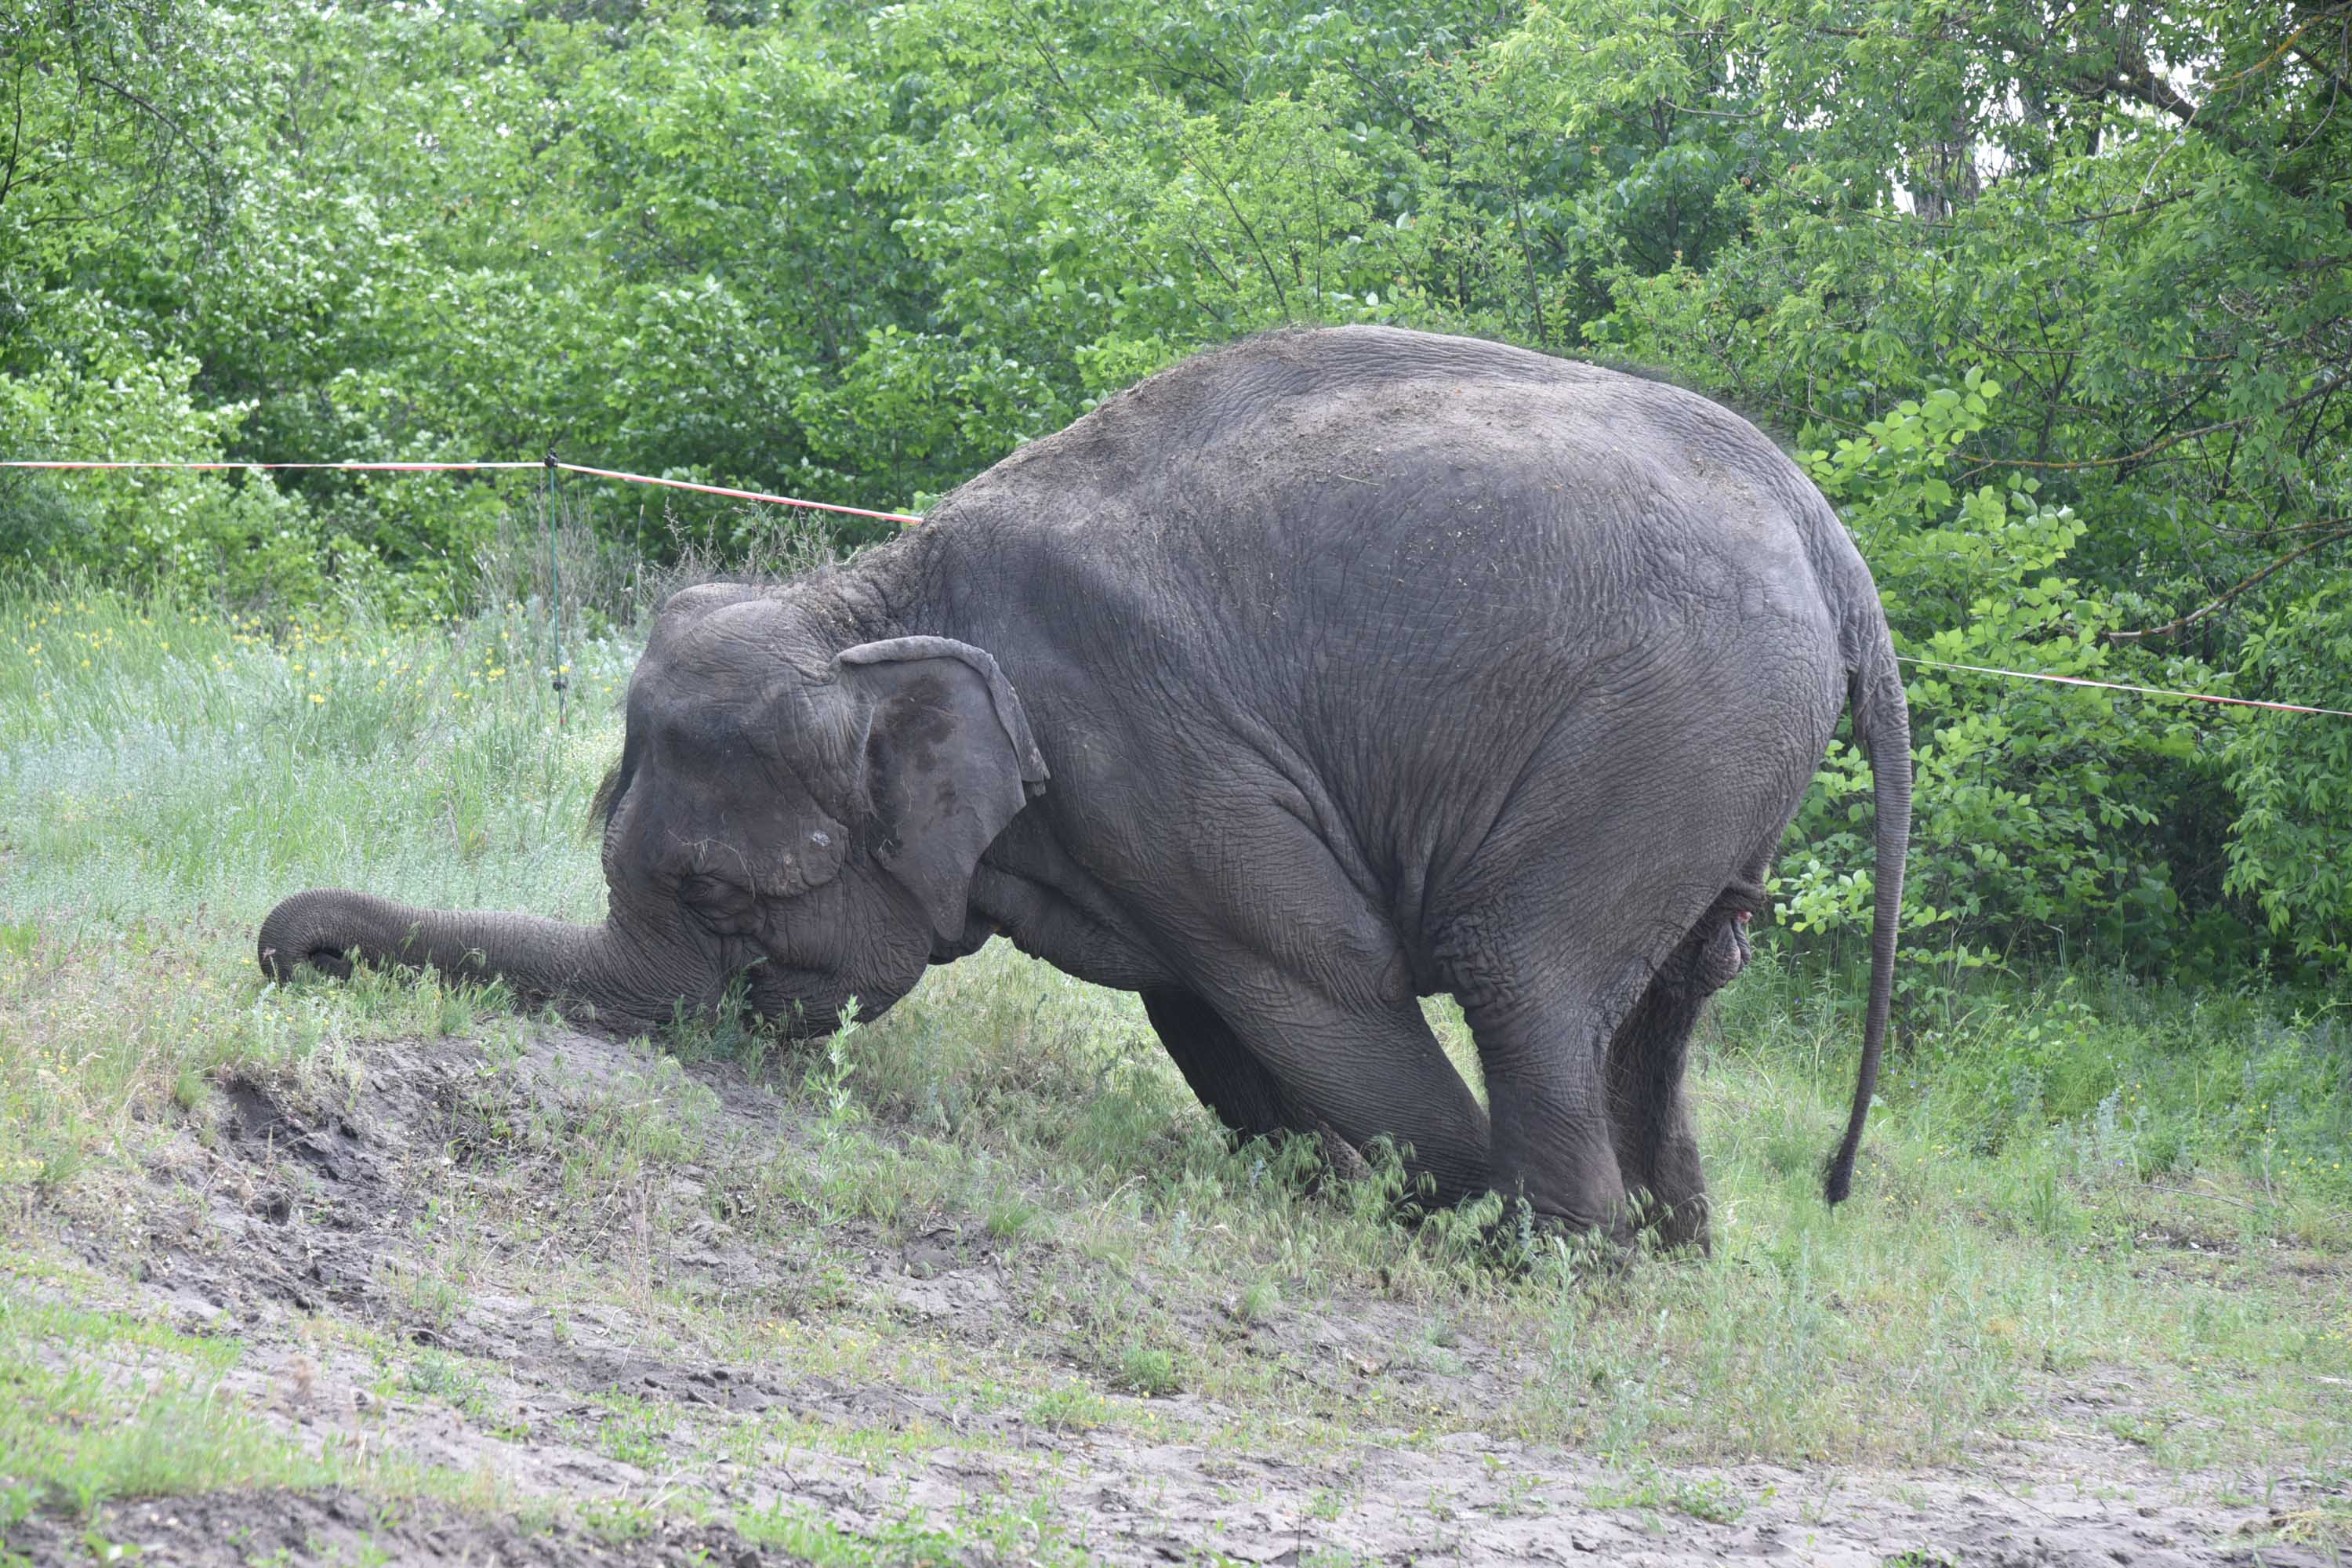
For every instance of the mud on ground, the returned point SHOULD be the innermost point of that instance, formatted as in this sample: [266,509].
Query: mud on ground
[416,1269]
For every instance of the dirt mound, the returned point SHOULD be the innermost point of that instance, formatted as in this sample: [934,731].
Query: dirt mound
[320,1198]
[303,1201]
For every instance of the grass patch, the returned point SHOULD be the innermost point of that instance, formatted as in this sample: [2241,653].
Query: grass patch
[1707,1499]
[96,1407]
[983,1529]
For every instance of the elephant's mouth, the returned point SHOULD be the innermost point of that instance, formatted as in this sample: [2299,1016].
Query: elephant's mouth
[805,1003]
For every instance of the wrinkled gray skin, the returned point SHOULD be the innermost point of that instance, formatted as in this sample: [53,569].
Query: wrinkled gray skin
[1311,675]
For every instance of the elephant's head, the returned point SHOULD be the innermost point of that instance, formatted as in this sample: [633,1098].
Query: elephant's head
[804,813]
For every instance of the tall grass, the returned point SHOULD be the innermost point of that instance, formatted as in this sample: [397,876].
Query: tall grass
[2104,1072]
[169,771]
[159,757]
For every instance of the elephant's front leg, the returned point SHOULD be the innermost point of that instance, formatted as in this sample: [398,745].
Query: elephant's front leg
[1356,1068]
[1233,1083]
[1225,1073]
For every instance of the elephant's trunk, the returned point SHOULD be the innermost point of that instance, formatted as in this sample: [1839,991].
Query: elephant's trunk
[542,960]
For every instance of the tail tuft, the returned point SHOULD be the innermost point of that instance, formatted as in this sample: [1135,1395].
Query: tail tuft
[1838,1181]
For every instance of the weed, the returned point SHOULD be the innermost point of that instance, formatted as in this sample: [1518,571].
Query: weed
[1148,1369]
[827,1082]
[427,1296]
[1260,1300]
[1013,1218]
[1069,1408]
[618,1521]
[1705,1498]
[800,1531]
[458,1383]
[632,1431]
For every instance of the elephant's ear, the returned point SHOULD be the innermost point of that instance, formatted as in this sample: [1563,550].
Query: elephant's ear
[949,760]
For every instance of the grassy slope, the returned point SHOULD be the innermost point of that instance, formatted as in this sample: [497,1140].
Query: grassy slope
[2083,1182]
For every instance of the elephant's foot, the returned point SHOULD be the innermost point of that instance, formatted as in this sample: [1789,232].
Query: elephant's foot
[1668,1186]
[1522,1234]
[1678,1224]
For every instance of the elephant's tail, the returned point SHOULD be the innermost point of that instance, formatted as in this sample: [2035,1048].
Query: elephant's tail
[1882,723]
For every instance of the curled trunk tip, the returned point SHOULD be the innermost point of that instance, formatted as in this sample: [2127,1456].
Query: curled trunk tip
[300,931]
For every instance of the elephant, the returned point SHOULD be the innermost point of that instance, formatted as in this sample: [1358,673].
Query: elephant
[1316,674]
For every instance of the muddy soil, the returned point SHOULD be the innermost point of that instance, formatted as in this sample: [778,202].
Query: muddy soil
[638,1422]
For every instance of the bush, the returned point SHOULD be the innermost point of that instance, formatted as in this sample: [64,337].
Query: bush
[111,398]
[2293,777]
[2031,801]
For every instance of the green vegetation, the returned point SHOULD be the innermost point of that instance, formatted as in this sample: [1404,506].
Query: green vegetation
[2053,301]
[97,1405]
[78,1435]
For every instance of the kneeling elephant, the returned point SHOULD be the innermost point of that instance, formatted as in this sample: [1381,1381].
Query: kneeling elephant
[1309,676]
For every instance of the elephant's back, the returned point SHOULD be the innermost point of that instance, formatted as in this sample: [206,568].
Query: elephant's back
[1223,415]
[1440,511]
[1378,444]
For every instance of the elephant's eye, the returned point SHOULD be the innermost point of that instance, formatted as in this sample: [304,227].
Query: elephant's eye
[722,906]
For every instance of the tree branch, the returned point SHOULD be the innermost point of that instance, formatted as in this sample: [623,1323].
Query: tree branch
[157,115]
[17,141]
[1281,295]
[1045,55]
[2332,384]
[2191,619]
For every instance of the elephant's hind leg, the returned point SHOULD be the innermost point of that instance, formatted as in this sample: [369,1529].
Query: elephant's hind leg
[1583,1048]
[1648,1062]
[1552,1142]
[1650,1115]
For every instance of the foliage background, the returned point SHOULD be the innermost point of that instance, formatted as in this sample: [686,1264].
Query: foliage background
[2052,300]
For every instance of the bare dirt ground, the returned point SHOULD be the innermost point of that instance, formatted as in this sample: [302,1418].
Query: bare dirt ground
[411,1279]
